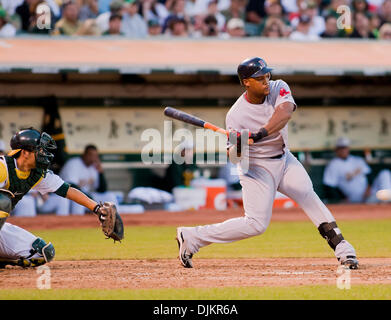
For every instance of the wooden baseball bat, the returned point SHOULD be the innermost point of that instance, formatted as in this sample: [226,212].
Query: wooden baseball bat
[188,118]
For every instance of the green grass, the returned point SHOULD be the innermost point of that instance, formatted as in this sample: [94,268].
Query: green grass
[358,292]
[371,238]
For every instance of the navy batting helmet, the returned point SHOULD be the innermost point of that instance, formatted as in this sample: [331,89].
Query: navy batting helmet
[252,68]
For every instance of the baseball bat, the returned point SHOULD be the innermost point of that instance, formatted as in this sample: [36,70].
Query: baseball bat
[188,118]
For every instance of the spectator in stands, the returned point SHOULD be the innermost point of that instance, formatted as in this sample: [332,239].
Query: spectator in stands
[235,28]
[332,7]
[154,28]
[309,8]
[345,177]
[116,8]
[177,27]
[177,11]
[89,10]
[209,27]
[361,28]
[34,29]
[133,24]
[10,5]
[302,31]
[114,26]
[7,30]
[331,29]
[274,11]
[360,6]
[69,24]
[385,32]
[255,11]
[274,28]
[374,5]
[154,10]
[88,28]
[25,11]
[374,24]
[385,12]
[104,5]
[86,174]
[237,9]
[199,7]
[290,7]
[213,11]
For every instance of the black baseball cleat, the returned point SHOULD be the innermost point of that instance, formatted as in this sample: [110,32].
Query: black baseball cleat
[184,255]
[350,261]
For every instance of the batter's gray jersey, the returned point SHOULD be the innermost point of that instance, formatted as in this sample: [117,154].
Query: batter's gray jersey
[245,115]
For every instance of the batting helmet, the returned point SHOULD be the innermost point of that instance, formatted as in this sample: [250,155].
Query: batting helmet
[32,140]
[252,68]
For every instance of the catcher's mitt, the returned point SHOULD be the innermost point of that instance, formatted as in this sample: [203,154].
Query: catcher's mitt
[111,222]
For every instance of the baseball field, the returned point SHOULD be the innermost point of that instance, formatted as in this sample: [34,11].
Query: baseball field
[289,261]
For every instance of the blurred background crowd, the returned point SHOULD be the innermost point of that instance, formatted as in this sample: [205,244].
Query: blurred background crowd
[294,19]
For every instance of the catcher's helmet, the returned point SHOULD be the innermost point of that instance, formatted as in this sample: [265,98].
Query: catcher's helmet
[32,140]
[252,68]
[27,139]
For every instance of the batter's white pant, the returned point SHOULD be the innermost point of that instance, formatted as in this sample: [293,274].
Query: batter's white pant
[15,242]
[77,209]
[288,176]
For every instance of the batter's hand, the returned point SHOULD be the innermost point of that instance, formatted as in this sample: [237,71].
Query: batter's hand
[235,139]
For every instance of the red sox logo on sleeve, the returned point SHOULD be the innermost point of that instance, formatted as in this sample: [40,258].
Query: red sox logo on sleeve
[283,92]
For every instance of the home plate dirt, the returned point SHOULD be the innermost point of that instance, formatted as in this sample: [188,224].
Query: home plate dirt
[208,273]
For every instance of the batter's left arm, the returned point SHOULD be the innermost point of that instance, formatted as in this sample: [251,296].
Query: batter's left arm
[280,117]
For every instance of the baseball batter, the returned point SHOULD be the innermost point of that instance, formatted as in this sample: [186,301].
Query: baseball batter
[23,169]
[265,108]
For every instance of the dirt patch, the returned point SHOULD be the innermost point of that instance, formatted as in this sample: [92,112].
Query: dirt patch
[159,218]
[207,273]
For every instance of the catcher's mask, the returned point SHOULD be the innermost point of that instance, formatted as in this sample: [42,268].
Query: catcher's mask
[32,140]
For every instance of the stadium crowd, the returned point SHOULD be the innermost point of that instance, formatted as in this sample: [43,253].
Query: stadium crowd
[293,19]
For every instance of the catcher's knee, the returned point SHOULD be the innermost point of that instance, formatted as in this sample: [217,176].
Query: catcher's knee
[331,233]
[41,251]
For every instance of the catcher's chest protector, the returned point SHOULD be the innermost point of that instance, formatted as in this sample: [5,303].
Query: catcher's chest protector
[19,187]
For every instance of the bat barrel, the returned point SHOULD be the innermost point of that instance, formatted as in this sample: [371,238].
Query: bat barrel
[183,116]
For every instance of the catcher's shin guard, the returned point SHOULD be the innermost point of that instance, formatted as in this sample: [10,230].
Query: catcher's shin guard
[46,251]
[40,254]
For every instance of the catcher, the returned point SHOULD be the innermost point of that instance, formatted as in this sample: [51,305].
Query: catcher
[24,168]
